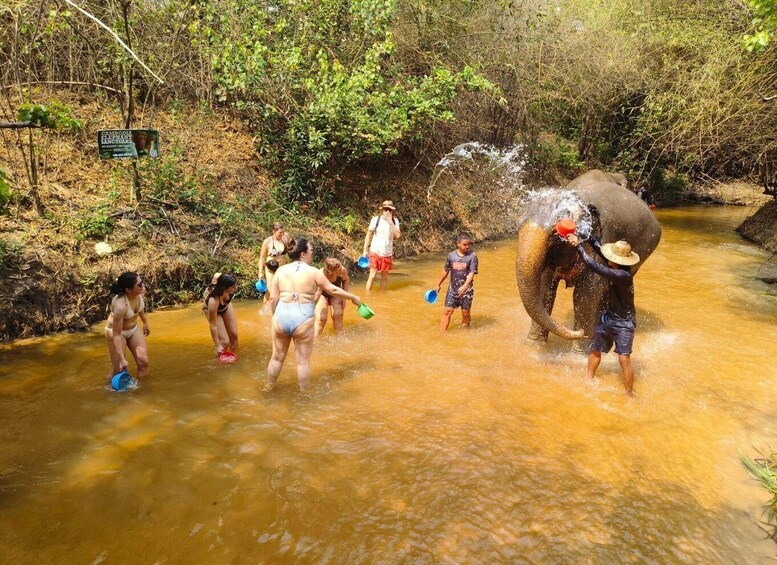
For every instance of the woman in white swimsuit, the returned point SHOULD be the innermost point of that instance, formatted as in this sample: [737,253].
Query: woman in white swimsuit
[121,330]
[274,247]
[293,294]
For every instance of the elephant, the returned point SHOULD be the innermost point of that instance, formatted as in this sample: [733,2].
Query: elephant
[602,208]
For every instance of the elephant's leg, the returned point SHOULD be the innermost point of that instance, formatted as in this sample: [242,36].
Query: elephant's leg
[549,286]
[588,299]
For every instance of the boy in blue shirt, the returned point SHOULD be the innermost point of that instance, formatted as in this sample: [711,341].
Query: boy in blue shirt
[462,264]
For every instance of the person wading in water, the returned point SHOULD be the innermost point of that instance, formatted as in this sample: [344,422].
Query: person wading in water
[292,295]
[618,320]
[122,330]
[381,233]
[274,248]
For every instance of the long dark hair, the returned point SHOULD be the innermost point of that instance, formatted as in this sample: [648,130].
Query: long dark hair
[300,247]
[125,282]
[216,289]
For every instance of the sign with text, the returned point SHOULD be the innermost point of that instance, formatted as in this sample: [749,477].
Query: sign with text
[127,143]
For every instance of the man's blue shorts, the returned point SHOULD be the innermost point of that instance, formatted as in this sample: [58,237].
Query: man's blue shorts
[464,302]
[608,330]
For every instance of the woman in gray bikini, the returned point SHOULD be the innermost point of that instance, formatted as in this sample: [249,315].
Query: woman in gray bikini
[292,302]
[121,329]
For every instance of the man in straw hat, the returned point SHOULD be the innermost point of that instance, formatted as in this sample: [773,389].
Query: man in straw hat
[618,320]
[383,230]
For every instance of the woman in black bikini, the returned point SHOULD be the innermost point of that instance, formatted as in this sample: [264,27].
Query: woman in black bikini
[220,312]
[338,275]
[274,247]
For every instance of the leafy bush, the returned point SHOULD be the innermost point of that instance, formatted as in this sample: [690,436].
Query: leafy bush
[166,180]
[555,153]
[56,116]
[669,182]
[344,222]
[5,191]
[319,80]
[11,255]
[97,223]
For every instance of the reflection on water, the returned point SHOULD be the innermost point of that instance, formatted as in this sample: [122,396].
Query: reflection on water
[471,447]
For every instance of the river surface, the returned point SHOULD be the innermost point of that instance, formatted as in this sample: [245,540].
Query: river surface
[471,447]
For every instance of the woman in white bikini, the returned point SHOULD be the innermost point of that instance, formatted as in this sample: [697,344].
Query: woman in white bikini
[293,294]
[122,330]
[274,247]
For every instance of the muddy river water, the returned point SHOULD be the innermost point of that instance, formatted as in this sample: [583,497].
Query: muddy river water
[475,446]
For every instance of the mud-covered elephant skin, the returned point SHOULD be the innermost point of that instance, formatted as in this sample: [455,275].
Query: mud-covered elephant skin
[602,208]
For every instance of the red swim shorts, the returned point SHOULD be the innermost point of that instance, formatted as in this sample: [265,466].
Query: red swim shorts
[380,264]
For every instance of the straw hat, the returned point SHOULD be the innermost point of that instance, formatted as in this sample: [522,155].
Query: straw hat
[620,252]
[387,204]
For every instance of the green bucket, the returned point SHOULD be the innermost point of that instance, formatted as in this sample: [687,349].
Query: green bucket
[365,311]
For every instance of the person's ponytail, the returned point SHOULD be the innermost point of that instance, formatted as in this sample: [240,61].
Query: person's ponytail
[300,247]
[125,282]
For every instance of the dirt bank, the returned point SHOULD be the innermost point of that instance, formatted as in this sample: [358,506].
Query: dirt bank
[761,227]
[735,193]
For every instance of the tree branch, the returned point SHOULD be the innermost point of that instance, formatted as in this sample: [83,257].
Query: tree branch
[115,36]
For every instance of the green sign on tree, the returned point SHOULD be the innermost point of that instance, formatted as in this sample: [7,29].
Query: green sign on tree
[127,143]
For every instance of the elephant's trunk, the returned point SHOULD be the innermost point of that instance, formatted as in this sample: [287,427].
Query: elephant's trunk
[529,265]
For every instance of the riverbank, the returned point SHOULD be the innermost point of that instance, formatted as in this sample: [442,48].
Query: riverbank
[206,205]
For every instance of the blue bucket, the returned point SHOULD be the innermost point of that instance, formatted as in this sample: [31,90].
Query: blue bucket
[363,262]
[431,296]
[121,381]
[261,285]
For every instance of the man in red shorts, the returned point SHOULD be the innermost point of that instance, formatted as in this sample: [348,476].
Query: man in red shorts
[381,233]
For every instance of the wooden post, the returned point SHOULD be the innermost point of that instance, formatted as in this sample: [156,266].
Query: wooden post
[136,180]
[34,175]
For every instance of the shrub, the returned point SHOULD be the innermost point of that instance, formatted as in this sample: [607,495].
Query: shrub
[11,255]
[5,191]
[97,223]
[344,222]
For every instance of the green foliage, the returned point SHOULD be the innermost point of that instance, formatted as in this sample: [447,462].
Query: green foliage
[669,182]
[5,191]
[556,154]
[764,470]
[11,255]
[320,81]
[56,116]
[764,23]
[166,180]
[347,222]
[97,224]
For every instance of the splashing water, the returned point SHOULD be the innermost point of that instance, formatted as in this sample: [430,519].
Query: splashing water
[549,205]
[505,165]
[505,168]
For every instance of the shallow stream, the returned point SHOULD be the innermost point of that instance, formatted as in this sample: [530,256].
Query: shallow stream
[474,446]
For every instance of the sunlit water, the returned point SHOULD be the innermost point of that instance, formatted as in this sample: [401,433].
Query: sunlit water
[471,447]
